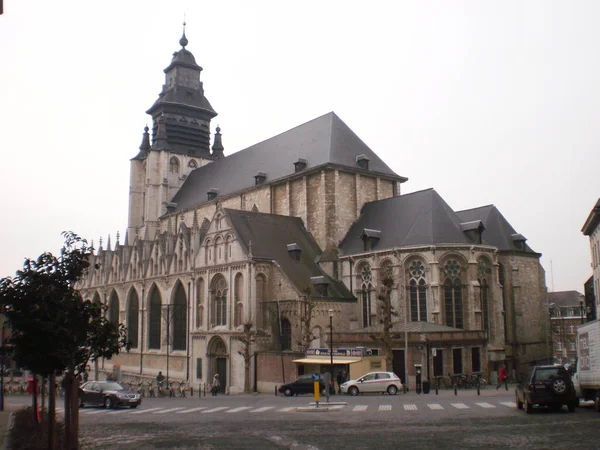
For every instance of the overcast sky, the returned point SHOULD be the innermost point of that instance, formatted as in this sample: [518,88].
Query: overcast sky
[487,102]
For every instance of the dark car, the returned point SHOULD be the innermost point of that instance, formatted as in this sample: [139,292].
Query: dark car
[546,386]
[303,385]
[109,394]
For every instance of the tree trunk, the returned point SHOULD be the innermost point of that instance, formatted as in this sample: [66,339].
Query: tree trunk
[66,385]
[51,412]
[42,396]
[75,413]
[34,403]
[247,372]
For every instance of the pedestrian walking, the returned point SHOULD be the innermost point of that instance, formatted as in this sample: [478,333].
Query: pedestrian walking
[502,378]
[216,384]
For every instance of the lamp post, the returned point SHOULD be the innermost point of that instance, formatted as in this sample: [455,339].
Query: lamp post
[331,338]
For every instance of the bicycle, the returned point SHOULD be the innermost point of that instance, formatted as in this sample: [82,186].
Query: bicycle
[140,389]
[130,386]
[151,389]
[182,388]
[161,389]
[171,389]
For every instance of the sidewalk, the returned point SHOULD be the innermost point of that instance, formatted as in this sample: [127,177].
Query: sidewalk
[5,422]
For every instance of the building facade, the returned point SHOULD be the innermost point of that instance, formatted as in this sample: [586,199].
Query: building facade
[591,229]
[234,264]
[567,312]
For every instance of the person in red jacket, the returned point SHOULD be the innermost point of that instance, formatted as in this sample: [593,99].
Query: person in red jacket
[502,378]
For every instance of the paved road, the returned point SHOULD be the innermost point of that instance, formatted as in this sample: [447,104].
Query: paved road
[369,421]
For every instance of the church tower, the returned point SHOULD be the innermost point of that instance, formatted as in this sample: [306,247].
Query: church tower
[180,143]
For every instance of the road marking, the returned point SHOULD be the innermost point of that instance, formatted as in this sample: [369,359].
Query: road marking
[385,407]
[220,408]
[410,407]
[485,405]
[187,411]
[119,411]
[98,411]
[288,409]
[238,409]
[360,408]
[459,405]
[435,406]
[509,404]
[167,410]
[264,408]
[143,411]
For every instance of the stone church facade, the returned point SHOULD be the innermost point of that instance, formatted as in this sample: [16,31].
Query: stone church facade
[232,261]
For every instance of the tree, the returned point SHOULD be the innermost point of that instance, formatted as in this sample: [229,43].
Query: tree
[52,329]
[247,341]
[307,308]
[386,337]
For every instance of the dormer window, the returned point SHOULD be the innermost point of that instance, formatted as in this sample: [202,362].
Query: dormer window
[370,238]
[259,178]
[300,165]
[294,251]
[321,285]
[363,162]
[473,230]
[213,193]
[518,241]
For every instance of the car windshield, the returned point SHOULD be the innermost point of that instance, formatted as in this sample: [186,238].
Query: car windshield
[111,386]
[547,373]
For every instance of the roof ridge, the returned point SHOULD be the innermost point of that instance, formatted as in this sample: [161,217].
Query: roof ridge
[476,207]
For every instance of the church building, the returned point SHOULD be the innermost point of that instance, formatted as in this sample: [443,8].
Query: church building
[242,264]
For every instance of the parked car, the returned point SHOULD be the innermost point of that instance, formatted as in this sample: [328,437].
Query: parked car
[302,385]
[373,382]
[109,394]
[546,386]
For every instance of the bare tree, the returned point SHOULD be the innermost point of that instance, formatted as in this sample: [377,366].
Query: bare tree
[385,337]
[247,341]
[307,308]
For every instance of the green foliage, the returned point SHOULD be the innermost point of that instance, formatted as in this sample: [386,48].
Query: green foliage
[51,327]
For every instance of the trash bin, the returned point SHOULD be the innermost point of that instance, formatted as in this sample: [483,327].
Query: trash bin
[426,386]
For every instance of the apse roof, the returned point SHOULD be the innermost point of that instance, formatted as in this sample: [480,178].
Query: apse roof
[322,141]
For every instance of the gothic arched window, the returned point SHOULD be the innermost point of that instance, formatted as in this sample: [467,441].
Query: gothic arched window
[238,299]
[133,318]
[199,302]
[261,290]
[174,165]
[154,319]
[219,301]
[366,278]
[453,294]
[113,309]
[483,270]
[179,318]
[417,291]
[192,164]
[286,335]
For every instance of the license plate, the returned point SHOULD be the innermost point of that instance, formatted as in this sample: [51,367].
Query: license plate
[132,400]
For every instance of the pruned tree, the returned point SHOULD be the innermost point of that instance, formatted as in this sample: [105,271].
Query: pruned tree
[307,308]
[52,329]
[385,337]
[247,341]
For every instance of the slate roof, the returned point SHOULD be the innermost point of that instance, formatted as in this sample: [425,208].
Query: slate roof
[325,140]
[270,235]
[419,218]
[498,231]
[411,327]
[565,298]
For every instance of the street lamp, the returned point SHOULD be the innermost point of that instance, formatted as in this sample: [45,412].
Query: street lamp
[331,338]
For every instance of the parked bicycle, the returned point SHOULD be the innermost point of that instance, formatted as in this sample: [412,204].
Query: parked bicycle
[171,389]
[140,389]
[182,388]
[151,389]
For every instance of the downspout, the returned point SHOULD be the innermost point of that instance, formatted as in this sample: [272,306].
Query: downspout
[187,370]
[142,336]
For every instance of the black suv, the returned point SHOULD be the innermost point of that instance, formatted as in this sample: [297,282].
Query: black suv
[303,385]
[546,386]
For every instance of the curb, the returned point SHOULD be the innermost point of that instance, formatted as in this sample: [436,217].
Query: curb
[329,404]
[319,409]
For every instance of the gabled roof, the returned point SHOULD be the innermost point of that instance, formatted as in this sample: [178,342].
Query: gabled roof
[322,141]
[565,298]
[419,218]
[270,235]
[498,231]
[591,223]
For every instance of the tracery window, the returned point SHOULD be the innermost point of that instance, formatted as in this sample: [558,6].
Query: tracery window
[238,298]
[154,319]
[113,308]
[133,319]
[261,291]
[199,302]
[179,318]
[286,335]
[453,294]
[219,301]
[417,291]
[192,164]
[366,287]
[174,165]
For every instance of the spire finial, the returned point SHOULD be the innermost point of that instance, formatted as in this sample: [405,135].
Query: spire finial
[183,41]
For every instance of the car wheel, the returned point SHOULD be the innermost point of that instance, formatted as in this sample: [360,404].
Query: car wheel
[519,403]
[528,407]
[109,403]
[81,404]
[571,407]
[353,390]
[288,392]
[559,386]
[392,390]
[133,406]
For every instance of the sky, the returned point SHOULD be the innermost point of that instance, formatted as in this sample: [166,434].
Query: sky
[488,102]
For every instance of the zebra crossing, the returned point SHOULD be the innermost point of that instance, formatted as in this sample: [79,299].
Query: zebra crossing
[357,408]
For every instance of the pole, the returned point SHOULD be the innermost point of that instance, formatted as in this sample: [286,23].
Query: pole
[330,378]
[168,333]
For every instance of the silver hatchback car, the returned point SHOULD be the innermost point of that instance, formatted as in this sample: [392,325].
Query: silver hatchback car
[373,382]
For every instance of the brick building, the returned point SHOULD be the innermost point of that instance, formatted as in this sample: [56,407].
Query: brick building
[234,264]
[567,312]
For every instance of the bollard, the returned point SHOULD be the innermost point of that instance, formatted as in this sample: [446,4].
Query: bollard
[455,390]
[275,390]
[478,382]
[191,390]
[478,387]
[437,386]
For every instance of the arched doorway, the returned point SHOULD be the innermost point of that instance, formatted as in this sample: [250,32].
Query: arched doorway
[217,355]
